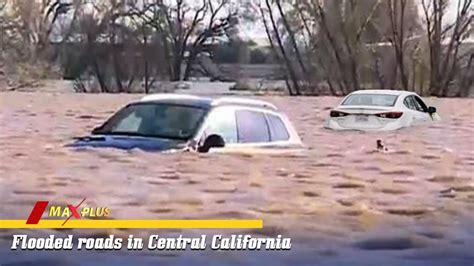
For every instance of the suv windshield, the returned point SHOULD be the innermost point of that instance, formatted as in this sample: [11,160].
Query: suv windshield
[371,99]
[159,120]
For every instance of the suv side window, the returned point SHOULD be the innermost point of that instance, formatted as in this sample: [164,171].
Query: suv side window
[222,122]
[252,127]
[277,128]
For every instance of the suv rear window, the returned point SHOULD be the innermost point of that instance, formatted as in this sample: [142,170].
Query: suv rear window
[277,128]
[252,127]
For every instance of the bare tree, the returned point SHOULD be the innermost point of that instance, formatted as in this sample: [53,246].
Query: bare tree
[24,44]
[291,35]
[467,81]
[294,88]
[342,29]
[335,46]
[396,11]
[185,28]
[444,59]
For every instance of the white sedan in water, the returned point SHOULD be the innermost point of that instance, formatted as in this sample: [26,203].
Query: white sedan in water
[381,110]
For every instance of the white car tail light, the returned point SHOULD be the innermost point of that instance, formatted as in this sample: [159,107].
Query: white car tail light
[390,115]
[335,113]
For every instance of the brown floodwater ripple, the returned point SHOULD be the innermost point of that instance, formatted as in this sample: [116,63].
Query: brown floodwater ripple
[339,198]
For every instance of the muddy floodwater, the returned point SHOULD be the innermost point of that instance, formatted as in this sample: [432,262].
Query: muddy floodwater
[341,201]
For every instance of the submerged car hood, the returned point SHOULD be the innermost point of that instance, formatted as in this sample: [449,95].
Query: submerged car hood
[127,143]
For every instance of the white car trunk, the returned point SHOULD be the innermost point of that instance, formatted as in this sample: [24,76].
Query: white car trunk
[363,117]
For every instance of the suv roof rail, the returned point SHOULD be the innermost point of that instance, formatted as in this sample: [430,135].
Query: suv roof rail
[169,96]
[243,101]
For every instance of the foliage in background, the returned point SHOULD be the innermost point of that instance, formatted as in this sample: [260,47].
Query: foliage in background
[324,47]
[349,45]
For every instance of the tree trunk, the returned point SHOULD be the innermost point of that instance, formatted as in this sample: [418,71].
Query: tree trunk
[291,34]
[288,64]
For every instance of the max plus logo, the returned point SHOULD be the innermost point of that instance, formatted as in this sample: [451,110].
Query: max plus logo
[68,212]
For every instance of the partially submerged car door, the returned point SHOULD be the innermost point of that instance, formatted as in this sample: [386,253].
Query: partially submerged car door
[422,109]
[419,116]
[221,121]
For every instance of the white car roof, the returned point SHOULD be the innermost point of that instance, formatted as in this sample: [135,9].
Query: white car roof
[388,92]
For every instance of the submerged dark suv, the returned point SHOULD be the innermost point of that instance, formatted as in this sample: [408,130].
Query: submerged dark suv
[166,122]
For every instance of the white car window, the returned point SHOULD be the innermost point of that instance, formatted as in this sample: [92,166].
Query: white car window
[420,105]
[222,122]
[412,103]
[409,103]
[371,99]
[252,127]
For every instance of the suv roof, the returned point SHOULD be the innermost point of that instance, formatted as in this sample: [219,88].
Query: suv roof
[243,102]
[207,102]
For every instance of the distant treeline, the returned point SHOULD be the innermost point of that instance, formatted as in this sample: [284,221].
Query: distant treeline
[74,58]
[349,45]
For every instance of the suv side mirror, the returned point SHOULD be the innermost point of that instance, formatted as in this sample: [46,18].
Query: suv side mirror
[431,110]
[212,141]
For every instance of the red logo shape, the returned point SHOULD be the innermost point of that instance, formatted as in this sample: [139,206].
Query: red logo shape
[74,211]
[37,212]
